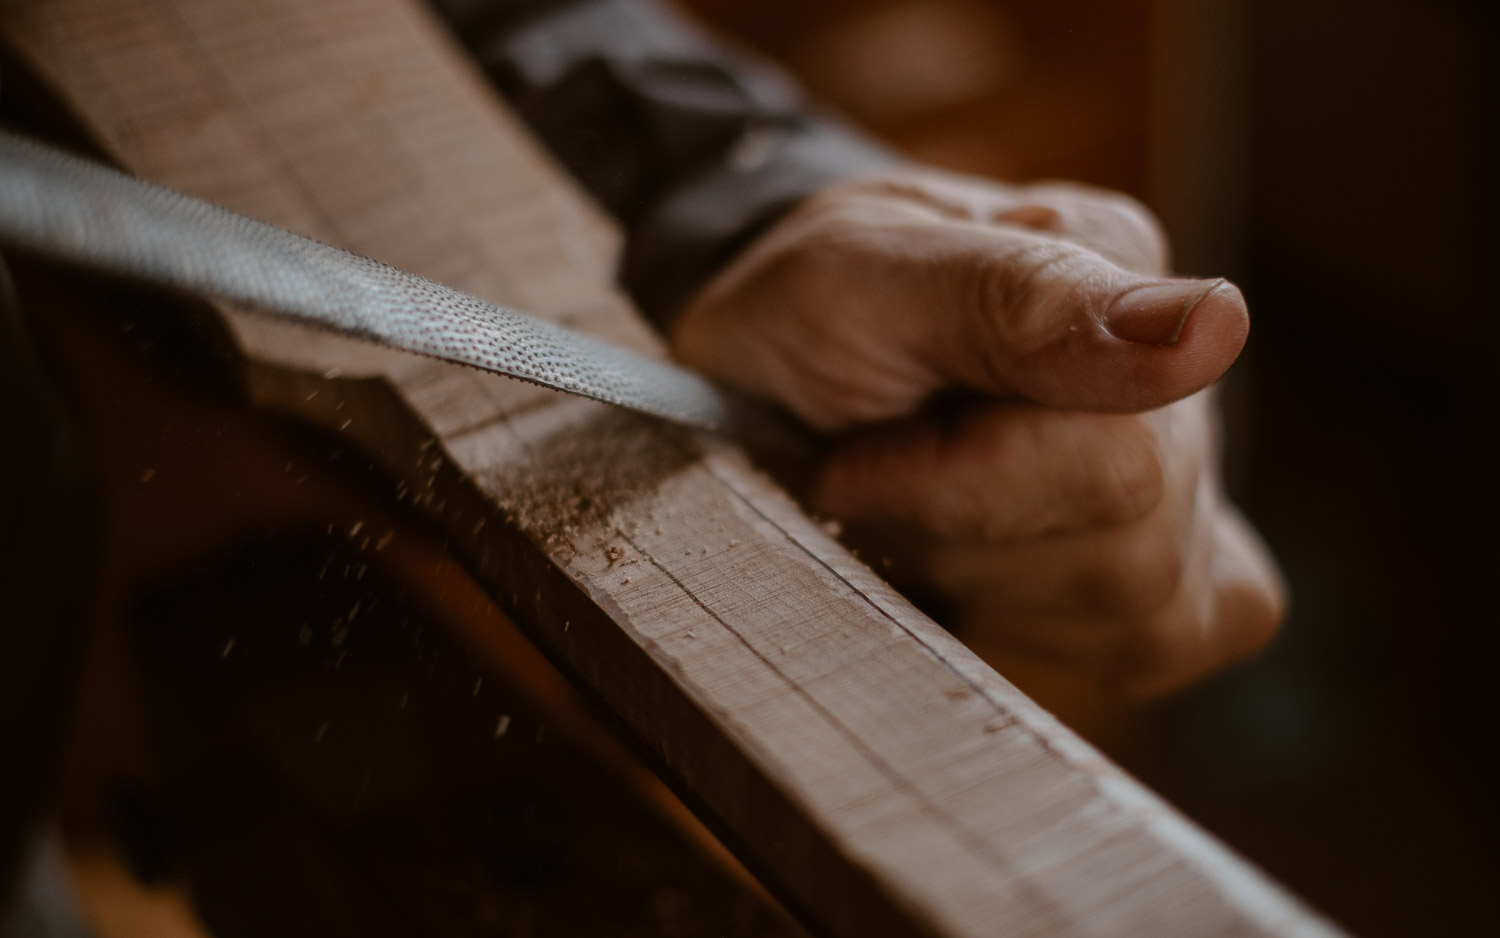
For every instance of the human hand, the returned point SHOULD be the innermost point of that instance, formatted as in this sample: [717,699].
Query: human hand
[1021,397]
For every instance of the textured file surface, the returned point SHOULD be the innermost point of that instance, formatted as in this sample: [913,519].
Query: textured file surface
[71,210]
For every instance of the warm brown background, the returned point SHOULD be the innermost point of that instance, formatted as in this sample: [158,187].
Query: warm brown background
[1334,157]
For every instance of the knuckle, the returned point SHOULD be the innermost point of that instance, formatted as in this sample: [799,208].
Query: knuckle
[832,202]
[1021,288]
[1119,224]
[1084,197]
[1260,612]
[1128,482]
[1137,581]
[1258,632]
[1199,634]
[1063,191]
[1137,226]
[1127,208]
[1159,655]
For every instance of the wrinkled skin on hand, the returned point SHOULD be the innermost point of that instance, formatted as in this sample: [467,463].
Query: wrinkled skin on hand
[1022,411]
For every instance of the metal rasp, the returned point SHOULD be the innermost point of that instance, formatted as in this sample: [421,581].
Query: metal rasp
[71,210]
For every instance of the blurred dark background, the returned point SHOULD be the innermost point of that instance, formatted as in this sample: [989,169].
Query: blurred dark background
[1335,158]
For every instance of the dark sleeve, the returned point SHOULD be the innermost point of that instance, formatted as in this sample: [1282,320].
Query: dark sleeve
[693,149]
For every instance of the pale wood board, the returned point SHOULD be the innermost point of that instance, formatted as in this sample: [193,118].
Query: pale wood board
[886,780]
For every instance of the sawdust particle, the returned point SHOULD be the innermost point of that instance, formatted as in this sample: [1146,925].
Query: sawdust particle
[579,476]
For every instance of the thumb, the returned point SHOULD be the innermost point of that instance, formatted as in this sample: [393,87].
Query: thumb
[1055,323]
[851,312]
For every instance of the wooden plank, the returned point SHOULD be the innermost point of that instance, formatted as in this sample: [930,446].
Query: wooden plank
[884,779]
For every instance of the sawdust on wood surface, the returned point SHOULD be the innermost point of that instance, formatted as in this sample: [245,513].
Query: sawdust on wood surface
[578,477]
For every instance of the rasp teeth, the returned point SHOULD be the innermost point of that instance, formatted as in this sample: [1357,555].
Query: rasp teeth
[75,211]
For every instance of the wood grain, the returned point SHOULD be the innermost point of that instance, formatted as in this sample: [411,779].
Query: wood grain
[885,780]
